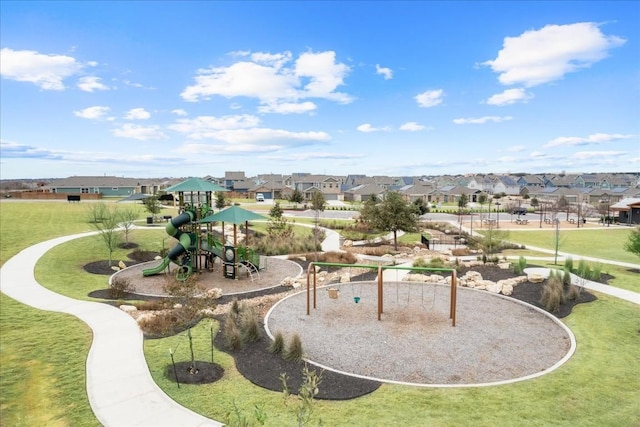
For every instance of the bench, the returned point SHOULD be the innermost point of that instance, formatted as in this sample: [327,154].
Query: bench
[167,218]
[522,221]
[572,221]
[73,198]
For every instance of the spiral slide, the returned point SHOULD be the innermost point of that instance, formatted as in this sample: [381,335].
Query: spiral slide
[173,230]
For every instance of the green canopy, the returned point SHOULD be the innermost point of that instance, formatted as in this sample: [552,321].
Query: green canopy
[194,185]
[233,215]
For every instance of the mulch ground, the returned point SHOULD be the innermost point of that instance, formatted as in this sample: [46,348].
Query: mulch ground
[264,368]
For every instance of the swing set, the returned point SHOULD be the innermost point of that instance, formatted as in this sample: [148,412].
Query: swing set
[311,271]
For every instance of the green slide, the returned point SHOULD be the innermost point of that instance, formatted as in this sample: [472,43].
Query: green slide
[184,239]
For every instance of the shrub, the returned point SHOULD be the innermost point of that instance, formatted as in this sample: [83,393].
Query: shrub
[436,263]
[232,333]
[596,273]
[568,264]
[294,351]
[119,287]
[552,293]
[566,277]
[277,346]
[249,325]
[518,267]
[582,267]
[573,292]
[149,305]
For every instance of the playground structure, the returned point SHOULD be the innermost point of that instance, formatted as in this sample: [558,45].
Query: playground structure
[311,270]
[197,248]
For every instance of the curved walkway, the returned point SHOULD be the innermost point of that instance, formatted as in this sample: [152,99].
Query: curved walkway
[119,385]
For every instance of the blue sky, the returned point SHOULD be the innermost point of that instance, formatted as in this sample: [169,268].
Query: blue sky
[154,89]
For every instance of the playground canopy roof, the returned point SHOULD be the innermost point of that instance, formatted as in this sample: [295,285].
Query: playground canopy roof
[194,185]
[233,215]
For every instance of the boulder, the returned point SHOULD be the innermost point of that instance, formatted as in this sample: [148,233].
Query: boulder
[122,265]
[507,289]
[128,308]
[535,278]
[493,287]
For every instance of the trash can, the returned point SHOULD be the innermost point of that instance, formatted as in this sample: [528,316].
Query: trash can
[149,220]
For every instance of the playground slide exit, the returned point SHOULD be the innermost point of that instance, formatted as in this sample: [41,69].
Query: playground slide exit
[184,241]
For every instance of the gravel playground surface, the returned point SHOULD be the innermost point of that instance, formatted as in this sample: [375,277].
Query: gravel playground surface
[495,338]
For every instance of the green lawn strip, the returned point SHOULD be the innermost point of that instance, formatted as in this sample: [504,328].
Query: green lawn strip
[61,268]
[601,243]
[42,368]
[598,386]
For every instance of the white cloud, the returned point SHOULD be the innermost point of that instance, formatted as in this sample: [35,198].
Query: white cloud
[288,107]
[516,148]
[46,71]
[510,96]
[142,133]
[254,135]
[273,80]
[482,120]
[204,126]
[412,127]
[93,113]
[137,114]
[366,128]
[179,112]
[89,84]
[545,55]
[387,73]
[318,155]
[430,98]
[584,155]
[596,138]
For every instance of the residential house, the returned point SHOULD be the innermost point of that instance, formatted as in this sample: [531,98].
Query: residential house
[329,185]
[506,185]
[106,186]
[363,192]
[231,177]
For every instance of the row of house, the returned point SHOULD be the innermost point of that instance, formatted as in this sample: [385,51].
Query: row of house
[588,188]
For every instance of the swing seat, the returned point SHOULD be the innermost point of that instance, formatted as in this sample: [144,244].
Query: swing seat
[333,293]
[356,299]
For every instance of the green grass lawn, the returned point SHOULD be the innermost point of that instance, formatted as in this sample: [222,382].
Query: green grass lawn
[606,243]
[42,357]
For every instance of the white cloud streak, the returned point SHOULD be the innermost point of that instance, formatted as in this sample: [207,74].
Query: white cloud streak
[141,133]
[510,96]
[596,138]
[137,114]
[91,84]
[481,120]
[92,113]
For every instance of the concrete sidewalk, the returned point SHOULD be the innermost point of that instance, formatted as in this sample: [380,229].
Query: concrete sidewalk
[119,385]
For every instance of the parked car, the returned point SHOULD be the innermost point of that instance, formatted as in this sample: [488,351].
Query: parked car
[519,211]
[260,197]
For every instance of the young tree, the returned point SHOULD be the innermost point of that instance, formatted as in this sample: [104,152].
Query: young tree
[126,217]
[278,224]
[221,200]
[108,229]
[482,199]
[633,242]
[318,203]
[462,203]
[152,205]
[392,214]
[296,197]
[421,206]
